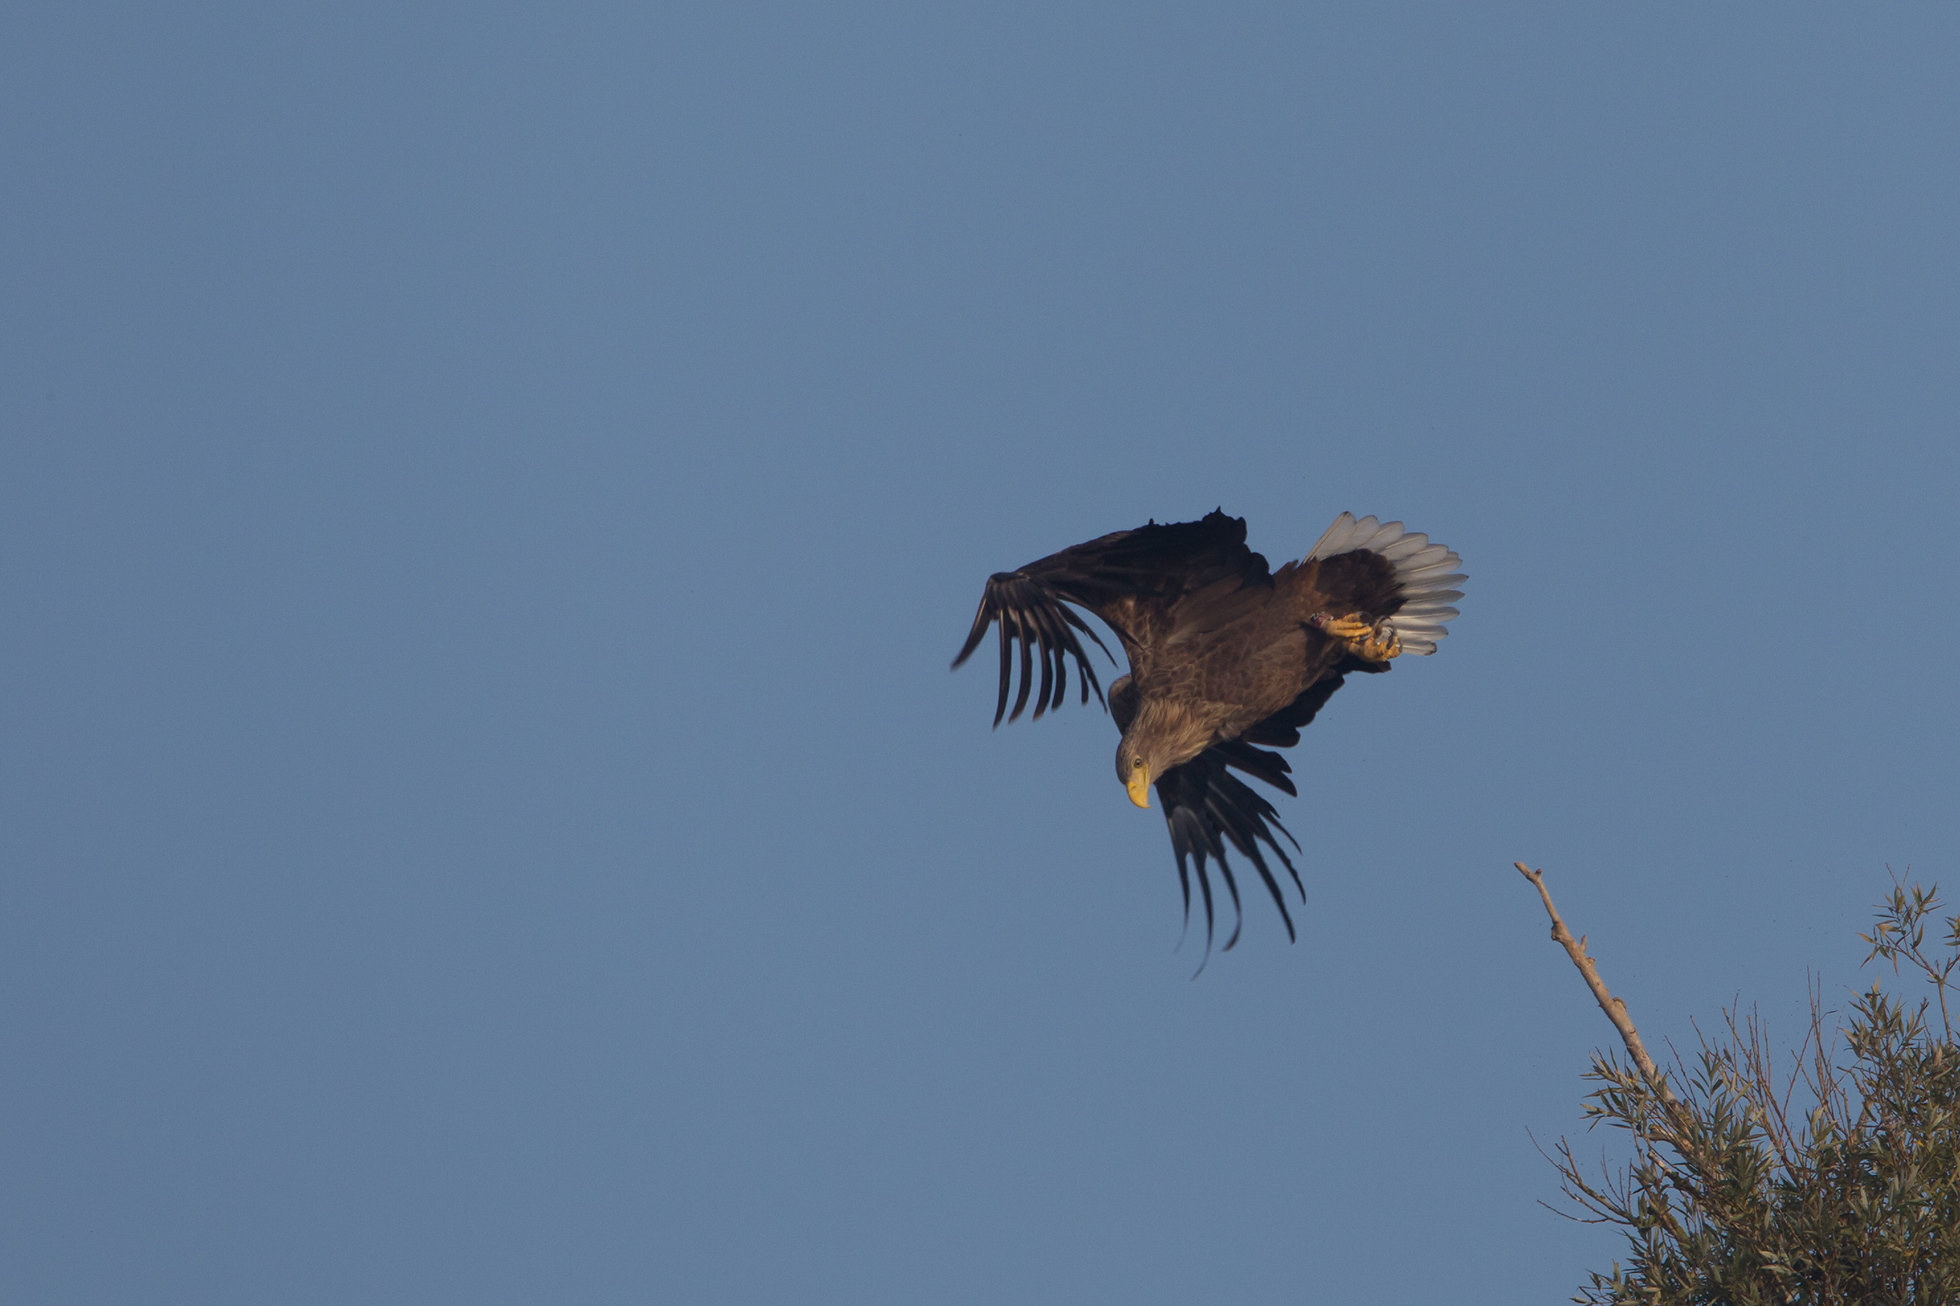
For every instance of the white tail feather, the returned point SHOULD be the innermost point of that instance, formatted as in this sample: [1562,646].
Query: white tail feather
[1335,537]
[1425,571]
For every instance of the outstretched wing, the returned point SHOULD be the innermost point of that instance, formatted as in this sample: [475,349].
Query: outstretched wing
[1129,579]
[1207,807]
[1034,619]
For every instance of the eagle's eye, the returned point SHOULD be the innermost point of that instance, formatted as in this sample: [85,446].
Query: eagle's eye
[1135,762]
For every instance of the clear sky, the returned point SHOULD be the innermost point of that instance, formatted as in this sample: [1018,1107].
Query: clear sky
[489,495]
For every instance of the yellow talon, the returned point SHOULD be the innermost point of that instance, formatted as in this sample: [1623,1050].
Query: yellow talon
[1374,641]
[1381,647]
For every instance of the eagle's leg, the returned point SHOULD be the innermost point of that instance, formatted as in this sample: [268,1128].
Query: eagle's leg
[1374,640]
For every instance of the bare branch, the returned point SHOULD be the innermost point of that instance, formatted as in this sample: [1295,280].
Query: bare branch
[1615,1009]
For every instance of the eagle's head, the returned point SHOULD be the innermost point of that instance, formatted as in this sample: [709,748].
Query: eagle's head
[1135,771]
[1163,735]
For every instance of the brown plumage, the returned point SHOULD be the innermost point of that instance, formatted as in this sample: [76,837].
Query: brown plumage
[1224,655]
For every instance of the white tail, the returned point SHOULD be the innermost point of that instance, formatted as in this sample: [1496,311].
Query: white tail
[1427,573]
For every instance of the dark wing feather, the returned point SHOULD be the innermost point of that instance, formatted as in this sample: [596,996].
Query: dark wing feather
[1206,808]
[1129,579]
[1033,619]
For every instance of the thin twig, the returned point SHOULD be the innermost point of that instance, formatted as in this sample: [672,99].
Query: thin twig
[1615,1009]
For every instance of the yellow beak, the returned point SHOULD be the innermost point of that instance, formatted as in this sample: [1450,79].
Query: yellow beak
[1139,786]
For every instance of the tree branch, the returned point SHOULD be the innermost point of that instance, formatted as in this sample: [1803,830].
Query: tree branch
[1616,1010]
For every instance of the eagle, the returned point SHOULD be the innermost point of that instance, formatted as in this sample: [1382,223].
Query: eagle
[1225,656]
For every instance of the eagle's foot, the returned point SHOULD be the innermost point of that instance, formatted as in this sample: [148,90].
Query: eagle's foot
[1375,641]
[1381,645]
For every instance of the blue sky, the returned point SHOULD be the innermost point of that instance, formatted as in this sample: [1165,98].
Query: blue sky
[490,493]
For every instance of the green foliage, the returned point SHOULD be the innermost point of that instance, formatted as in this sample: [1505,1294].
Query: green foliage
[1836,1181]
